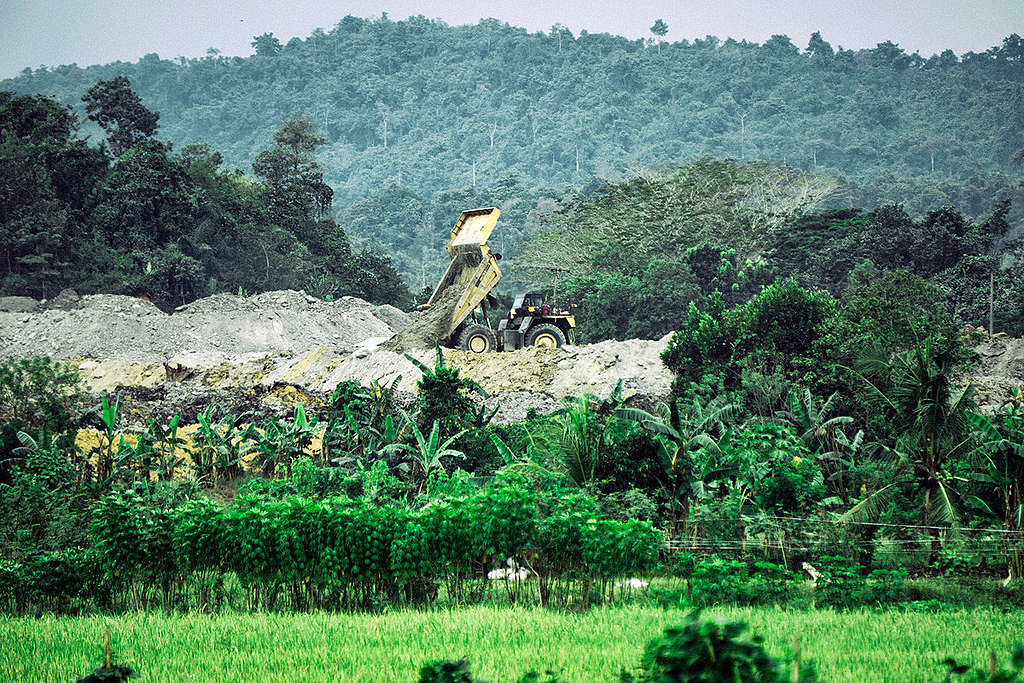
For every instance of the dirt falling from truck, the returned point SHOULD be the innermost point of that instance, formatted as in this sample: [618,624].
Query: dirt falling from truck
[429,326]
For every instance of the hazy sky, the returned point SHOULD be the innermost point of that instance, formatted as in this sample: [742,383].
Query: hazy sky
[52,32]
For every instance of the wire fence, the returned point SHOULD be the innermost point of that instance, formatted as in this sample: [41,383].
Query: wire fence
[787,539]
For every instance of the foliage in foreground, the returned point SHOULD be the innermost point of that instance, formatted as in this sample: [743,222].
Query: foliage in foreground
[335,553]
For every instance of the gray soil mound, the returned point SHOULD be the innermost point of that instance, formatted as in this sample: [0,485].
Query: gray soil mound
[1001,366]
[265,352]
[18,304]
[106,326]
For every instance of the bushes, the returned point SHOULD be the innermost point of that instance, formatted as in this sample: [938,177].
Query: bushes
[841,583]
[758,342]
[61,582]
[340,553]
[844,584]
[717,581]
[39,396]
[711,650]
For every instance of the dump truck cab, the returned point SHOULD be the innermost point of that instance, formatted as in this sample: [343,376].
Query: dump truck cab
[533,321]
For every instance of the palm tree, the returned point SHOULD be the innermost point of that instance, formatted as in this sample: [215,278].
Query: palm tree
[1003,444]
[930,416]
[681,430]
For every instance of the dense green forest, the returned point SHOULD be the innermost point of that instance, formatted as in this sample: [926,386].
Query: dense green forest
[421,119]
[634,256]
[135,216]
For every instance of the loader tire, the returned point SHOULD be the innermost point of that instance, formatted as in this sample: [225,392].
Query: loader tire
[546,336]
[478,339]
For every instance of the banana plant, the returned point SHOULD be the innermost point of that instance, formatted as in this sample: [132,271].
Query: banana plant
[167,444]
[142,453]
[428,452]
[279,442]
[681,429]
[221,445]
[817,430]
[105,451]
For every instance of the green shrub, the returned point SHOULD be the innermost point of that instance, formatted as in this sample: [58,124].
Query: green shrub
[709,650]
[446,671]
[844,583]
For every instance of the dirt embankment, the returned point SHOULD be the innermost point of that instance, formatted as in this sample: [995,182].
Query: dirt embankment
[265,352]
[1001,366]
[104,326]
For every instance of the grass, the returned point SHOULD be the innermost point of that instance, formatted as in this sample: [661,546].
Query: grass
[500,643]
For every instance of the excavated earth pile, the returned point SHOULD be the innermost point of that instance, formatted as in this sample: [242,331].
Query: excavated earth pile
[263,353]
[125,328]
[1001,367]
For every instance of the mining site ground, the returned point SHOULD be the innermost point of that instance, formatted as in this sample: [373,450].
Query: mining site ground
[265,352]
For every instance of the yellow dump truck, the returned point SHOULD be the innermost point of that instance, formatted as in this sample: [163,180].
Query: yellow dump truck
[459,302]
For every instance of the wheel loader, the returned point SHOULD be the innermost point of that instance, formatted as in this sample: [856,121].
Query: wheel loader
[461,298]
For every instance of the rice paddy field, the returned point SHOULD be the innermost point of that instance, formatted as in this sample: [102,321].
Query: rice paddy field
[500,643]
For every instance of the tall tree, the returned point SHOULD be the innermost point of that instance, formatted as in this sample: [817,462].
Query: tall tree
[119,111]
[266,45]
[290,169]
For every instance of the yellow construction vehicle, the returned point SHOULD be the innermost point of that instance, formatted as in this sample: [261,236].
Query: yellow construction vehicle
[459,302]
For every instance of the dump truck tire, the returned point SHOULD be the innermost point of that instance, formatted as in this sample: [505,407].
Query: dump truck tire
[478,339]
[545,336]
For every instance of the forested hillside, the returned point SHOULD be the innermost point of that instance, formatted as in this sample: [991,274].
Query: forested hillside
[135,216]
[418,102]
[421,119]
